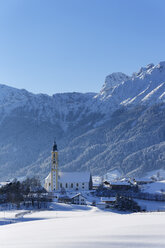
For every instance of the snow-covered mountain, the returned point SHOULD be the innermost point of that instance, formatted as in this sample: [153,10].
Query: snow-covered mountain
[112,81]
[121,127]
[146,86]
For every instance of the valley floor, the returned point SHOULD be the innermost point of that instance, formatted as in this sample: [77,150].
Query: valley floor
[81,226]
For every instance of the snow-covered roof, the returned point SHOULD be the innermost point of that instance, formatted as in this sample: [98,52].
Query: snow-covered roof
[100,204]
[74,177]
[48,177]
[97,180]
[120,183]
[64,197]
[104,199]
[143,179]
[78,195]
[4,183]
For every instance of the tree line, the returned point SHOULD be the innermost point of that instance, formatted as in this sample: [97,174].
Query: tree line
[25,194]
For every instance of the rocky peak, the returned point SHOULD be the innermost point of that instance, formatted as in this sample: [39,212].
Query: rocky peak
[113,80]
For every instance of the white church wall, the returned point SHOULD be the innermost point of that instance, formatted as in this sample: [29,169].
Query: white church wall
[74,186]
[48,183]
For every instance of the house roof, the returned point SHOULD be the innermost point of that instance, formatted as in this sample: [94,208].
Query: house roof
[64,197]
[4,183]
[143,179]
[48,177]
[104,199]
[74,177]
[78,195]
[120,183]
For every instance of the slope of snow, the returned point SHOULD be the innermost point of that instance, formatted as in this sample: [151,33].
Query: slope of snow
[112,175]
[11,98]
[91,228]
[157,174]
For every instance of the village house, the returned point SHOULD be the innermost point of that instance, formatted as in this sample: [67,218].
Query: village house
[120,185]
[108,200]
[79,199]
[144,180]
[64,199]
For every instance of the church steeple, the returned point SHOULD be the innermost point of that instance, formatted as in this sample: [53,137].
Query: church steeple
[54,168]
[54,146]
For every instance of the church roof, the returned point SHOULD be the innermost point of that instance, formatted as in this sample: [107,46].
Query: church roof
[74,177]
[48,176]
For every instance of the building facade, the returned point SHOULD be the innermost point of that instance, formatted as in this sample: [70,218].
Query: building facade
[79,199]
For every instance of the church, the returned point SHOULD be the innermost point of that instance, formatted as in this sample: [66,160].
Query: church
[70,181]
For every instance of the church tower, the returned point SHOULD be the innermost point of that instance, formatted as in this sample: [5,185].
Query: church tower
[54,168]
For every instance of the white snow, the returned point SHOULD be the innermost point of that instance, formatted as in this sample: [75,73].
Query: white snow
[111,81]
[145,87]
[4,183]
[97,180]
[151,205]
[154,188]
[112,175]
[157,174]
[74,177]
[85,228]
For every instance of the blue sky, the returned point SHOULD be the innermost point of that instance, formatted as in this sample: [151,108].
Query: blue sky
[50,46]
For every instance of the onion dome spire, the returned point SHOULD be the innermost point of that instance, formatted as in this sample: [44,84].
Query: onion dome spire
[54,146]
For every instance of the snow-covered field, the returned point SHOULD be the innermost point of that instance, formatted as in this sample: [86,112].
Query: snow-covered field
[154,188]
[76,226]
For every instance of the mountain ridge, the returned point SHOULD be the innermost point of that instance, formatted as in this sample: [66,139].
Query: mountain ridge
[83,123]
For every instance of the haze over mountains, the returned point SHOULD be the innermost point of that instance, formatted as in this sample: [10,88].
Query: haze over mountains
[122,127]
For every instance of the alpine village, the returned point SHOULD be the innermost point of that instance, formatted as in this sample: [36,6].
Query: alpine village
[80,188]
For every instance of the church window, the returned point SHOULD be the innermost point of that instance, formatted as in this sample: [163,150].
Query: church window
[77,184]
[66,185]
[71,185]
[60,185]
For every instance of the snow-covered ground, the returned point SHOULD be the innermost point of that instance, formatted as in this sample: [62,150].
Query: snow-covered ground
[112,175]
[151,205]
[154,188]
[158,174]
[80,226]
[109,176]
